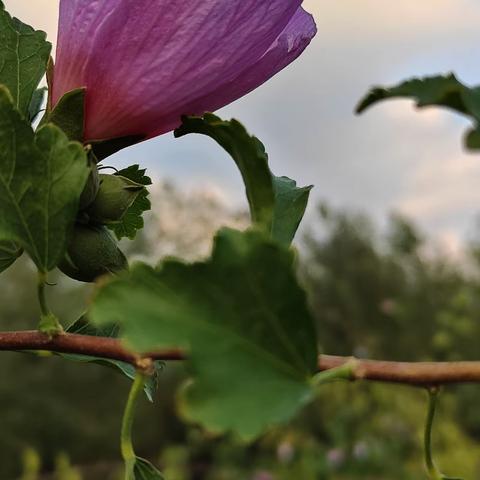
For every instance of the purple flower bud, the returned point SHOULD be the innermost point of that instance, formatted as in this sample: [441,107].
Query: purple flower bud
[145,63]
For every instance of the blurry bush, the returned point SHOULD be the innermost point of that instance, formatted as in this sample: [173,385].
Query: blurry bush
[376,294]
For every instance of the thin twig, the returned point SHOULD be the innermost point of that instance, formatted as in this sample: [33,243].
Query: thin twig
[408,373]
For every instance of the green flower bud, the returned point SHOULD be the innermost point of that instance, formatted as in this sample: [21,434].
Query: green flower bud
[92,252]
[115,196]
[91,189]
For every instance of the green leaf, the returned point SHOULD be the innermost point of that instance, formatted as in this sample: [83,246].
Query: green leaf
[42,176]
[276,205]
[444,91]
[132,221]
[69,114]
[248,153]
[243,319]
[24,54]
[290,205]
[9,252]
[36,103]
[84,327]
[144,470]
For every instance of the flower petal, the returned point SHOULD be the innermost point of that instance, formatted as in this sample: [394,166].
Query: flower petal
[147,62]
[287,47]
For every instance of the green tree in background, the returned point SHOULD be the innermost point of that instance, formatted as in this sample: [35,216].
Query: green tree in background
[366,287]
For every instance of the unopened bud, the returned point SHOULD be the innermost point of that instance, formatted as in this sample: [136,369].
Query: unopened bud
[115,196]
[92,252]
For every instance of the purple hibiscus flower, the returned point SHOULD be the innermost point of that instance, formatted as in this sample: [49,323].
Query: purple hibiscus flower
[145,63]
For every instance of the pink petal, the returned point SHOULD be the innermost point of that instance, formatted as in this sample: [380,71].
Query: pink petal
[147,62]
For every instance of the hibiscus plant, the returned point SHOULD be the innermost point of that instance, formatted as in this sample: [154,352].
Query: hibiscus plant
[126,71]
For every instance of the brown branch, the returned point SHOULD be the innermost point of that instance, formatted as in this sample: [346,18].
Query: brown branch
[420,374]
[108,348]
[408,373]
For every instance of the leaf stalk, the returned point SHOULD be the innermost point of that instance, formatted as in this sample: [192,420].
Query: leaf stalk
[126,441]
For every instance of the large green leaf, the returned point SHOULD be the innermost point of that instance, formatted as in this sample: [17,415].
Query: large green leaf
[443,91]
[243,319]
[9,252]
[276,204]
[132,222]
[84,327]
[24,54]
[42,176]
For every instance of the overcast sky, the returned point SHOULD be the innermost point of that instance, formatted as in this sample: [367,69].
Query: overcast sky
[392,157]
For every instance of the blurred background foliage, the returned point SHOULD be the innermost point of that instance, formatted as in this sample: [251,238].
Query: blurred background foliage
[377,293]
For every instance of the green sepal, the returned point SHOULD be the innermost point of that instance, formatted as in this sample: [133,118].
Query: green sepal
[69,114]
[24,53]
[277,205]
[91,253]
[115,196]
[133,221]
[106,148]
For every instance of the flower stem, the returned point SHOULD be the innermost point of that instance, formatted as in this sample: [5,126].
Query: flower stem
[49,324]
[126,443]
[42,281]
[432,470]
[429,463]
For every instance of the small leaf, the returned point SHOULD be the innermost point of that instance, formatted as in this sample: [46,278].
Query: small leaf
[132,221]
[276,204]
[9,252]
[84,327]
[36,103]
[290,205]
[24,54]
[444,91]
[69,114]
[42,176]
[144,470]
[244,320]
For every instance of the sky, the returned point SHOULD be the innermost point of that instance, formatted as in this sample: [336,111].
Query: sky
[392,158]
